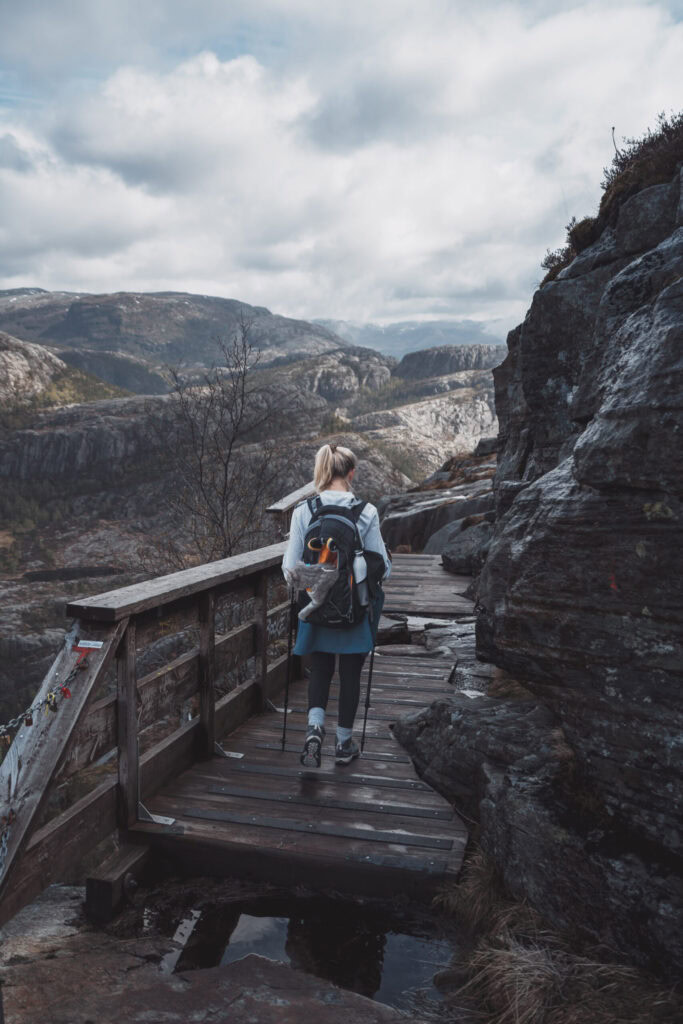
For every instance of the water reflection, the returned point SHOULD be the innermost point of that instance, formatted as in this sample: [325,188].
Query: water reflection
[349,947]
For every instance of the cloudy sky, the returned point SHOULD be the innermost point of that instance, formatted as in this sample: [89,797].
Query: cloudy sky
[358,159]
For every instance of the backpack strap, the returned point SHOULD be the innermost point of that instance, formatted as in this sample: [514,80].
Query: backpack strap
[357,511]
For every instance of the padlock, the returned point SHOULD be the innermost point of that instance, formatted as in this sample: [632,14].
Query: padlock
[52,701]
[28,720]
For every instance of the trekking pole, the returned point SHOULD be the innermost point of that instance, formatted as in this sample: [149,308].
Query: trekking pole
[288,675]
[367,698]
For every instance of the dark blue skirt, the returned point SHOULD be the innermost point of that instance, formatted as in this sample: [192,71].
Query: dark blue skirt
[358,639]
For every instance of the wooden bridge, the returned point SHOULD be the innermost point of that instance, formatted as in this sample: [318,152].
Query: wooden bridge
[242,806]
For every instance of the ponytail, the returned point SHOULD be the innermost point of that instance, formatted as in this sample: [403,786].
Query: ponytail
[332,461]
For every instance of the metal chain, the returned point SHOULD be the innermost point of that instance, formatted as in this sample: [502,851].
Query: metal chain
[50,700]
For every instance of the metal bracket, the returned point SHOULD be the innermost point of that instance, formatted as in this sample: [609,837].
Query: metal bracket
[158,819]
[272,707]
[219,752]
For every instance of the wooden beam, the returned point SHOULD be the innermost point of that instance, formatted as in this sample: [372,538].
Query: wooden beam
[127,730]
[37,750]
[206,676]
[105,891]
[291,500]
[261,629]
[140,597]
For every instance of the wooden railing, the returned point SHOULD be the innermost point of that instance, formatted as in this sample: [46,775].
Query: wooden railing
[123,626]
[283,509]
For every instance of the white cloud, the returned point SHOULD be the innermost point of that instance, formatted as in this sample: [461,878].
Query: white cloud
[360,161]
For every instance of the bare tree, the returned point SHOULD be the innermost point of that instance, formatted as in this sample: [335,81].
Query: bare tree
[220,436]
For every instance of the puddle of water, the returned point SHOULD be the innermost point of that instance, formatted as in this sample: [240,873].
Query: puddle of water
[351,947]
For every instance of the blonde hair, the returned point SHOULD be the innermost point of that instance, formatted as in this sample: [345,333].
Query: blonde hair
[332,461]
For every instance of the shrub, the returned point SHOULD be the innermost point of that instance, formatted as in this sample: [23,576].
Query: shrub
[649,160]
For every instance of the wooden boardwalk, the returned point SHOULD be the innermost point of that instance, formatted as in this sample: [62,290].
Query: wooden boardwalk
[368,826]
[419,585]
[165,787]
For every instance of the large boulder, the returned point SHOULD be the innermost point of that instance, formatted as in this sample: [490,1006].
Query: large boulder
[466,551]
[507,765]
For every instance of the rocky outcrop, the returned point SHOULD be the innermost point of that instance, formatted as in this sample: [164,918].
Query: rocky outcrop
[339,376]
[26,370]
[581,591]
[415,517]
[432,362]
[160,327]
[458,495]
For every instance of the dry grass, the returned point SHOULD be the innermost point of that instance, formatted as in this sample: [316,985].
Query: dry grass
[536,980]
[522,972]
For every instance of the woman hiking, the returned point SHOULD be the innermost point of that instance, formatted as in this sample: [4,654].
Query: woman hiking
[333,474]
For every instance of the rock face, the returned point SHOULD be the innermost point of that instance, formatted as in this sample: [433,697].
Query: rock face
[127,372]
[581,590]
[339,376]
[444,359]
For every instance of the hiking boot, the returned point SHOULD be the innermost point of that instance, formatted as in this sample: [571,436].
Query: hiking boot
[345,752]
[313,744]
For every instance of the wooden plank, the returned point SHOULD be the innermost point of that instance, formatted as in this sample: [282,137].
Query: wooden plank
[350,804]
[329,803]
[117,604]
[347,779]
[292,499]
[322,828]
[60,844]
[35,754]
[127,722]
[251,837]
[194,788]
[206,737]
[105,891]
[370,870]
[166,620]
[328,751]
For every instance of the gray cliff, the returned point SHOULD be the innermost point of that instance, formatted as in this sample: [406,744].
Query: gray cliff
[577,782]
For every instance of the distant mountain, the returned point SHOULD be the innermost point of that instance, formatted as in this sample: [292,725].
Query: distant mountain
[410,336]
[158,328]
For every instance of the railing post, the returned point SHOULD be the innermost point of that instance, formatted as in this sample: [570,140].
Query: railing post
[127,722]
[261,630]
[207,674]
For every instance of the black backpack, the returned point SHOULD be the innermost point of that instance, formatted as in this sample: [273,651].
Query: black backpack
[333,533]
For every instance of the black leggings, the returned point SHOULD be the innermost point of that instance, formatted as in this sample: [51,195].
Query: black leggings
[322,670]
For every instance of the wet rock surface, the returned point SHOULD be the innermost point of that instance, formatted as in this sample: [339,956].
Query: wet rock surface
[56,968]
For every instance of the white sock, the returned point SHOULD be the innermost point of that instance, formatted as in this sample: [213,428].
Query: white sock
[316,716]
[343,734]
